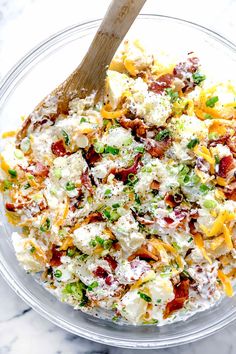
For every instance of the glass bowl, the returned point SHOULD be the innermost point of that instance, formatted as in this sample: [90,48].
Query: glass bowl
[24,86]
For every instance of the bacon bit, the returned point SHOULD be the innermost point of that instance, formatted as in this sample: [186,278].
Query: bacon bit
[37,170]
[109,280]
[75,201]
[161,83]
[157,148]
[168,220]
[86,181]
[192,227]
[144,221]
[230,191]
[123,173]
[181,292]
[231,142]
[93,217]
[180,214]
[55,260]
[117,246]
[183,71]
[13,207]
[169,200]
[155,185]
[137,125]
[40,170]
[189,66]
[112,262]
[92,156]
[58,148]
[222,140]
[226,165]
[100,272]
[143,252]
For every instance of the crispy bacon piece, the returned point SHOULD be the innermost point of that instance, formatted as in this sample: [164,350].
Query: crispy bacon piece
[143,252]
[163,82]
[155,185]
[123,173]
[157,148]
[168,220]
[170,200]
[112,262]
[225,166]
[137,125]
[231,142]
[92,156]
[13,207]
[181,292]
[100,272]
[55,260]
[27,205]
[58,148]
[185,70]
[40,170]
[230,191]
[86,182]
[37,170]
[93,217]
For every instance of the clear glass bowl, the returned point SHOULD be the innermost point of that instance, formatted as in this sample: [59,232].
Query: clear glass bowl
[25,85]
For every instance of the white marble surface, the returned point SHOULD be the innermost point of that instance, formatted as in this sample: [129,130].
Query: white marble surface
[23,23]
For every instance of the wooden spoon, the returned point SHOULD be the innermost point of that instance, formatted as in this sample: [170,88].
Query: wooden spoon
[89,76]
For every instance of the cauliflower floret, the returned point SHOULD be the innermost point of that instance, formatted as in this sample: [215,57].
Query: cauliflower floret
[126,230]
[25,253]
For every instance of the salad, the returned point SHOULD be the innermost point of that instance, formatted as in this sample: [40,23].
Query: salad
[127,206]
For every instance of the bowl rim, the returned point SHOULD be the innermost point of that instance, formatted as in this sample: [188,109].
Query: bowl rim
[5,84]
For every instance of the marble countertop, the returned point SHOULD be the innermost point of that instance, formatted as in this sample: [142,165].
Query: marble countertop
[24,23]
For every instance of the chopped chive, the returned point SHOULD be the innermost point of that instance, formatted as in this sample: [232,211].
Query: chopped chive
[45,226]
[58,273]
[13,173]
[32,249]
[145,297]
[162,135]
[139,149]
[7,184]
[98,147]
[209,204]
[111,150]
[204,188]
[70,186]
[198,77]
[192,143]
[107,192]
[66,137]
[173,95]
[27,185]
[92,286]
[212,101]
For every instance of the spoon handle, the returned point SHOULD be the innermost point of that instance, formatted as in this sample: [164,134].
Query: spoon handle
[90,74]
